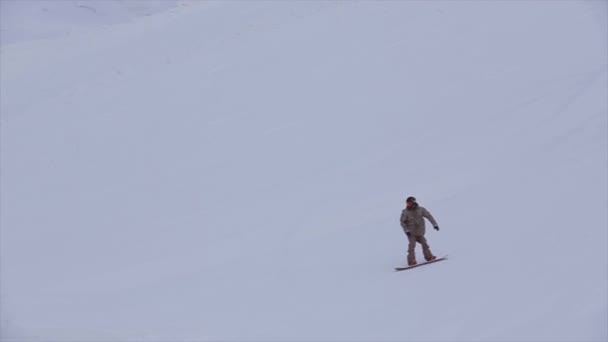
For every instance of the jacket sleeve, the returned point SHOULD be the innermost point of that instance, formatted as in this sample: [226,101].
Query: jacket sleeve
[402,220]
[430,217]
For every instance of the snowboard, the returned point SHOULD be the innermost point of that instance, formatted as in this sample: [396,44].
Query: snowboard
[420,264]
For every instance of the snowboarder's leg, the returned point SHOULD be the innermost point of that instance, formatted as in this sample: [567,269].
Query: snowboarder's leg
[411,254]
[426,250]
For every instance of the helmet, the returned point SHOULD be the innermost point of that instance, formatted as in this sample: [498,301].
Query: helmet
[411,199]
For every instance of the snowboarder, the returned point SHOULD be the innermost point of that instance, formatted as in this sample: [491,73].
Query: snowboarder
[412,222]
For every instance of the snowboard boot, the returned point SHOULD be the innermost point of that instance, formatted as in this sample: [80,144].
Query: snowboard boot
[412,263]
[431,258]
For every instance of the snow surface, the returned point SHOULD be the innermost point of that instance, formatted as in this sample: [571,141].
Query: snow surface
[22,20]
[236,170]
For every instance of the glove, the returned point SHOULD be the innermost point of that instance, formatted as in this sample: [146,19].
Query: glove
[408,234]
[436,228]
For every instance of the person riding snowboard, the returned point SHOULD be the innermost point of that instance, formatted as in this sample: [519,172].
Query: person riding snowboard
[412,222]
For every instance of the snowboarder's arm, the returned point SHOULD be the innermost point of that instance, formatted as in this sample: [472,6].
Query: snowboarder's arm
[430,217]
[403,225]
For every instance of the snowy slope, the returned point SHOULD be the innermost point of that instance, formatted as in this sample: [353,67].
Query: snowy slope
[236,171]
[24,20]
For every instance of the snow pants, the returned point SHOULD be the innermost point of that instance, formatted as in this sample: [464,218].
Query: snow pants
[411,254]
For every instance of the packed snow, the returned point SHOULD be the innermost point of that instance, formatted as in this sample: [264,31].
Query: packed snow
[236,170]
